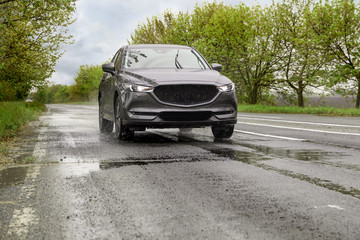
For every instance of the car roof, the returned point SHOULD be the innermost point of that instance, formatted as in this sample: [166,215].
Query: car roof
[137,46]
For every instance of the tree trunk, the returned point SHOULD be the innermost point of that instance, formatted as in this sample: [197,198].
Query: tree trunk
[300,100]
[300,95]
[357,105]
[253,95]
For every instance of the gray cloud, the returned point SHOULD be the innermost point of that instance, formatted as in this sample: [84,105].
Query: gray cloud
[104,26]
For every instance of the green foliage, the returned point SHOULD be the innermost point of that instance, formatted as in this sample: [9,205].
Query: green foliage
[242,40]
[3,149]
[337,25]
[55,93]
[293,47]
[302,66]
[85,88]
[27,160]
[31,36]
[15,114]
[154,30]
[87,83]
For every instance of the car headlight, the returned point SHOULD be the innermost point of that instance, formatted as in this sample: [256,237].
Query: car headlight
[226,88]
[138,88]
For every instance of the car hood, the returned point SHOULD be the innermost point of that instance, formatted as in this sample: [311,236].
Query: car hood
[176,76]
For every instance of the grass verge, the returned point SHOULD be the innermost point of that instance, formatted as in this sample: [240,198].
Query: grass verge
[15,114]
[326,111]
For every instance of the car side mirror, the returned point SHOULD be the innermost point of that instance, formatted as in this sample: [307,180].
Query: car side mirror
[108,67]
[216,67]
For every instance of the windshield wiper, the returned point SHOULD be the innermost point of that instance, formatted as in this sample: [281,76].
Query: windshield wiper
[201,64]
[177,64]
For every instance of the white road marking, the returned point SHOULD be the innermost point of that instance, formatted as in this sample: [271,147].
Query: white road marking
[25,217]
[40,148]
[271,136]
[309,123]
[336,207]
[300,129]
[263,117]
[330,206]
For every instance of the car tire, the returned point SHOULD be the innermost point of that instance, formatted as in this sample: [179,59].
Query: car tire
[105,125]
[222,131]
[121,132]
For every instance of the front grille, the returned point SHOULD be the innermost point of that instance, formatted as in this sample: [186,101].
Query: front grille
[186,94]
[185,116]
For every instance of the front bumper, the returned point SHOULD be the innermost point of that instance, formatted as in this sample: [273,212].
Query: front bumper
[143,110]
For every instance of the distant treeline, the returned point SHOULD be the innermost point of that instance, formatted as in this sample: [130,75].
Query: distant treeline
[85,88]
[287,50]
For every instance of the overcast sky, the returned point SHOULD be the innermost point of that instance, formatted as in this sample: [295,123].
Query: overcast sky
[102,27]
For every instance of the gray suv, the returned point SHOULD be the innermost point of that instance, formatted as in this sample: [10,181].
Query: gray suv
[164,86]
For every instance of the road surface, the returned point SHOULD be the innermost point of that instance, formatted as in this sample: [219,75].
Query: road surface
[278,177]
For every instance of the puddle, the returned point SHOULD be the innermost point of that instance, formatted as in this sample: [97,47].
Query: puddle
[315,156]
[133,161]
[265,153]
[301,155]
[12,176]
[104,165]
[108,165]
[242,156]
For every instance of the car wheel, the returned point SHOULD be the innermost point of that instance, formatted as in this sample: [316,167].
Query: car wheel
[105,125]
[222,132]
[121,132]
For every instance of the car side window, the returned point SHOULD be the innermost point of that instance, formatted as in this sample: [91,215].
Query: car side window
[118,60]
[115,56]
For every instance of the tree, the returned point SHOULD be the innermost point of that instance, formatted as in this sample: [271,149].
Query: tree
[55,93]
[168,28]
[244,41]
[87,82]
[337,24]
[302,65]
[154,30]
[85,88]
[180,31]
[31,36]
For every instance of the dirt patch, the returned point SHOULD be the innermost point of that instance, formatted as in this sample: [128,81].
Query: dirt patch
[16,150]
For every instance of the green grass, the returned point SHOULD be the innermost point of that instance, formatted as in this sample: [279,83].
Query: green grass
[15,114]
[28,160]
[327,111]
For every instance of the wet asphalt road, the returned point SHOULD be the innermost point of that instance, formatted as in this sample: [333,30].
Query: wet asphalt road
[279,177]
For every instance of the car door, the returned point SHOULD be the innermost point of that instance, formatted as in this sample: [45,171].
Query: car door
[103,88]
[114,79]
[106,93]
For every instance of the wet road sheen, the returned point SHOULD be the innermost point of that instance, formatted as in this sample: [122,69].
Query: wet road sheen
[279,177]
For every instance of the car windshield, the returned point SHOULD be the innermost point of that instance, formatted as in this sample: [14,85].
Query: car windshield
[164,58]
